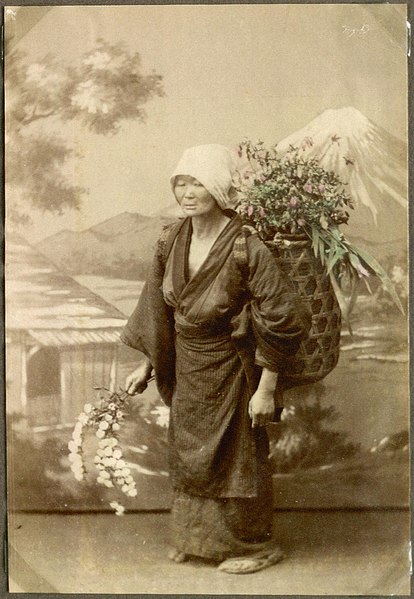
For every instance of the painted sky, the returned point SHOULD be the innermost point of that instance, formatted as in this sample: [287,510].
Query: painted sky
[230,71]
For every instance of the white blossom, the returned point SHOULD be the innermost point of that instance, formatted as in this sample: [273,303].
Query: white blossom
[100,434]
[83,418]
[72,446]
[77,439]
[77,469]
[115,426]
[87,408]
[103,425]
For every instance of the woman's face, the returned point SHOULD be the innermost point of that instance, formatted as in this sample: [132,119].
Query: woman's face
[193,197]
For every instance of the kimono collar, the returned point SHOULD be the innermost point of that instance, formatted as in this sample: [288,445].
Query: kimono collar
[217,256]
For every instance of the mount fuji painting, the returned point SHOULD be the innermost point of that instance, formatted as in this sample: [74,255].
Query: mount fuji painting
[373,164]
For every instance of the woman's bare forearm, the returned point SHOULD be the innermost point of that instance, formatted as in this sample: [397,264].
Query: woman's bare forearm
[268,381]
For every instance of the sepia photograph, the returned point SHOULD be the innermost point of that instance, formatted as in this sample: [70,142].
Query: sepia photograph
[206,299]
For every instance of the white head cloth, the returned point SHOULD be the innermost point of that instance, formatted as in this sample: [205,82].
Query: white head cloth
[213,166]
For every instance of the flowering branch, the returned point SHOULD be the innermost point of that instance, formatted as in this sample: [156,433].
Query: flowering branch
[106,418]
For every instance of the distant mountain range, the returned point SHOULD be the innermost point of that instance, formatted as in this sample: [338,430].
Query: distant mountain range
[121,246]
[368,158]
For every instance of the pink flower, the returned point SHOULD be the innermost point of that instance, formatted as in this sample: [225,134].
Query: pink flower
[262,212]
[321,188]
[249,210]
[308,187]
[293,201]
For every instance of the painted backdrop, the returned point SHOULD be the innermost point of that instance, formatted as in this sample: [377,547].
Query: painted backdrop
[100,104]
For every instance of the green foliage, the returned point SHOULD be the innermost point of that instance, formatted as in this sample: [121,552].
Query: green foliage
[41,181]
[292,194]
[282,195]
[102,91]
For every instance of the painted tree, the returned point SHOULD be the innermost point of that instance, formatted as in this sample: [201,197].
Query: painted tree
[306,437]
[99,93]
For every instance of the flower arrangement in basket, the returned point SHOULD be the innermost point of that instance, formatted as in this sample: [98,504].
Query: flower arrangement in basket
[105,418]
[293,195]
[296,207]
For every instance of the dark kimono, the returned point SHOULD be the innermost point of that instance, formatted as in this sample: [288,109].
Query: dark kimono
[207,338]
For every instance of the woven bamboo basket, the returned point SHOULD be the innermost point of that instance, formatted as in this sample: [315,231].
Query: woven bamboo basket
[319,353]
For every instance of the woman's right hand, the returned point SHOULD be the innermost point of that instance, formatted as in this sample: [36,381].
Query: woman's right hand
[137,381]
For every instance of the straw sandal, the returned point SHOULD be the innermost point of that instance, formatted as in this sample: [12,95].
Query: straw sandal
[252,563]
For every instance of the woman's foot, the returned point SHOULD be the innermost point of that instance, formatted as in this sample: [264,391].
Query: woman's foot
[177,556]
[252,563]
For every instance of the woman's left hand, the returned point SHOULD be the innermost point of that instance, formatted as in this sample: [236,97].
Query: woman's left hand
[261,408]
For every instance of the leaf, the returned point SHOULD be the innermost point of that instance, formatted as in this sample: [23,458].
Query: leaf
[335,256]
[324,222]
[336,234]
[321,251]
[355,262]
[315,240]
[368,286]
[381,274]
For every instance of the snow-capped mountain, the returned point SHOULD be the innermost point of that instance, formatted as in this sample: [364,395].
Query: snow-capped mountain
[371,161]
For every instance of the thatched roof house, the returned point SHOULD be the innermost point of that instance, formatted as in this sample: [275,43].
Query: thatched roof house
[61,339]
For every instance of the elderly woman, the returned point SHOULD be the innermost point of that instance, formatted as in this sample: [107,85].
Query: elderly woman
[216,333]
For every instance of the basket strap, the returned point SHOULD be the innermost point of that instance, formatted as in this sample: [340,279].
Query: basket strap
[167,238]
[240,250]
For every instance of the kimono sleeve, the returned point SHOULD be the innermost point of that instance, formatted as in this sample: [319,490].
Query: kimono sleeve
[280,319]
[150,329]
